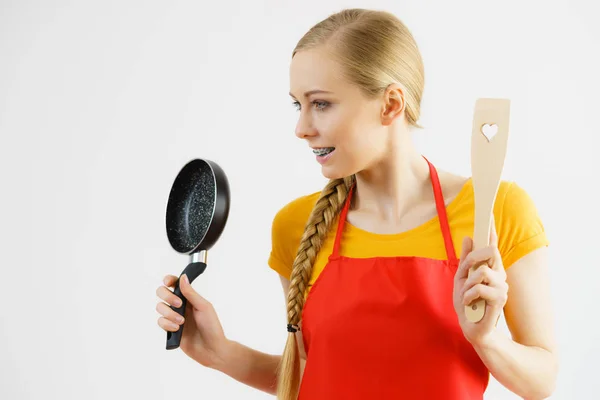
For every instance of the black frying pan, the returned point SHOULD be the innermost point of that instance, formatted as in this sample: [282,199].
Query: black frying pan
[197,212]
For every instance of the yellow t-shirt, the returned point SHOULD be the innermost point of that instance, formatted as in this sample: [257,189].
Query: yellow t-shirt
[518,225]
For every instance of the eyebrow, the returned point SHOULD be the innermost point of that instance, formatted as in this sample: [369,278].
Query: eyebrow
[310,92]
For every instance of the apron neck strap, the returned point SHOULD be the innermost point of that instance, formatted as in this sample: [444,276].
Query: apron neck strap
[441,210]
[440,206]
[342,222]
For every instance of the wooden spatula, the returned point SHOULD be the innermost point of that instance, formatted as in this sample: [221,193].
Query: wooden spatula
[488,151]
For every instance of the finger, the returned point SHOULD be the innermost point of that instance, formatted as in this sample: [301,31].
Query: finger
[467,245]
[169,280]
[482,274]
[169,297]
[191,295]
[474,259]
[167,312]
[167,325]
[493,235]
[489,255]
[495,261]
[486,276]
[492,295]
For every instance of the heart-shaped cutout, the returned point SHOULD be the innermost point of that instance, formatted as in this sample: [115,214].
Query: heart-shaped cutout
[489,131]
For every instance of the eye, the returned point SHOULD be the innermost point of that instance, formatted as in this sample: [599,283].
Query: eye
[320,105]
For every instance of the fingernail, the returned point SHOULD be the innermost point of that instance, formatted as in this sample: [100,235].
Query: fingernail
[179,319]
[184,278]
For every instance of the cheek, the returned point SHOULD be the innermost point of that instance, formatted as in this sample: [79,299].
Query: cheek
[363,140]
[350,133]
[334,123]
[358,148]
[336,130]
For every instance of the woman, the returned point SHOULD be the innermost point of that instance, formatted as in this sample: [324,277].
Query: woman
[370,266]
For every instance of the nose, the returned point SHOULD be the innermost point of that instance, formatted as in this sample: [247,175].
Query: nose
[305,128]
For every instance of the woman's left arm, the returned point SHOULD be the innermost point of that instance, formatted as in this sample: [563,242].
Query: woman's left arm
[526,364]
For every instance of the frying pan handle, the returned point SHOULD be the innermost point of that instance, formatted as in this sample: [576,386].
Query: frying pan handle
[193,270]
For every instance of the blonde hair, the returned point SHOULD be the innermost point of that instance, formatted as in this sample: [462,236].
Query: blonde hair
[375,49]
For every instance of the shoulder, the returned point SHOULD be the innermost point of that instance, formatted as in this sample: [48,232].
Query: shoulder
[514,205]
[510,197]
[297,210]
[518,223]
[513,196]
[287,230]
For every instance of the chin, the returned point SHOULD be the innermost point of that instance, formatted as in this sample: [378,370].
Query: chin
[331,172]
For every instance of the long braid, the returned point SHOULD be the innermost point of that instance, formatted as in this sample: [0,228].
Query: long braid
[326,209]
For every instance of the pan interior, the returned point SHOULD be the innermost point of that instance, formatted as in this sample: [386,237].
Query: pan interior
[191,206]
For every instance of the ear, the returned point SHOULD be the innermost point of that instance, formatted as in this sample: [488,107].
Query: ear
[393,104]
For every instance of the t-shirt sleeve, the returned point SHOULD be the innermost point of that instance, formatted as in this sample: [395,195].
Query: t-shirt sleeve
[520,229]
[286,232]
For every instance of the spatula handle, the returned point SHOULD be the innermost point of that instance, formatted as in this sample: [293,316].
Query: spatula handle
[481,238]
[476,310]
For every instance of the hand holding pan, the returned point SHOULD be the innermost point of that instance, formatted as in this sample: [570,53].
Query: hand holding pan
[197,212]
[488,151]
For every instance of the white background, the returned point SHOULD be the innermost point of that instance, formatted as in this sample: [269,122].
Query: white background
[101,104]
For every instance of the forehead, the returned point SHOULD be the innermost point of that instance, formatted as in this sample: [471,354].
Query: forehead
[315,69]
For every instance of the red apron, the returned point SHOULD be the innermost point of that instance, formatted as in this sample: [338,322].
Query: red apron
[385,327]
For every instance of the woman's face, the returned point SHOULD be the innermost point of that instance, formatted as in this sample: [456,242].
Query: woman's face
[334,114]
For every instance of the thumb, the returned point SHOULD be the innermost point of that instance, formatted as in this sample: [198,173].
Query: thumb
[467,247]
[493,235]
[190,294]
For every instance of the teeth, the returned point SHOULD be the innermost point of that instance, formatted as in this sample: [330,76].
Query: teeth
[323,151]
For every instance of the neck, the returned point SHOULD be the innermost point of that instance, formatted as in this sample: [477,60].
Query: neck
[396,183]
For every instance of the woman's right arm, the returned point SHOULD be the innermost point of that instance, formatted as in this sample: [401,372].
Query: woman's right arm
[249,366]
[252,367]
[206,344]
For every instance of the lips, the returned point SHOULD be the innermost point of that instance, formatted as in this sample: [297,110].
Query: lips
[322,151]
